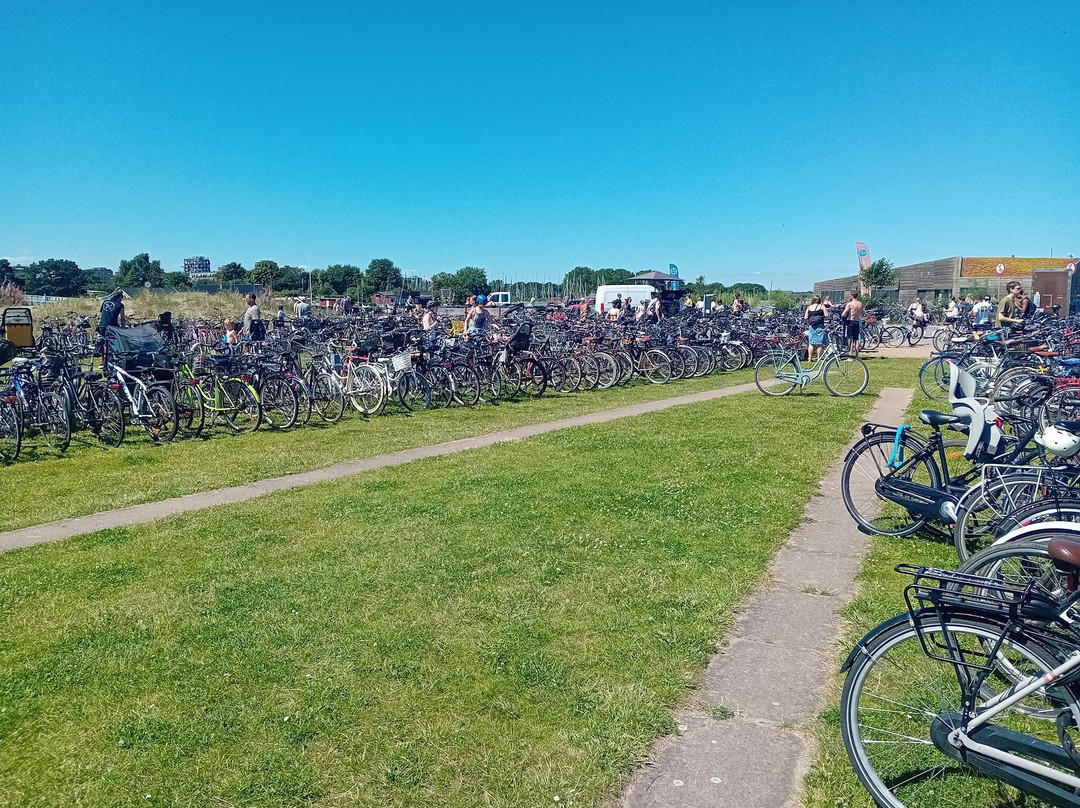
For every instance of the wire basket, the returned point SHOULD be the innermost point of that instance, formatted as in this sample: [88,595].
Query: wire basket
[401,362]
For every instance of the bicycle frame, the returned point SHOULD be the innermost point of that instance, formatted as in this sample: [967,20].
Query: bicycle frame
[803,375]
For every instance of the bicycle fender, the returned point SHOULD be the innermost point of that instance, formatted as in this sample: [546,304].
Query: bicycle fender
[861,644]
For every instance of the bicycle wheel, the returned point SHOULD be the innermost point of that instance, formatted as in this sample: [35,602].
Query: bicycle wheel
[866,463]
[915,335]
[466,385]
[655,366]
[942,339]
[278,402]
[846,376]
[607,368]
[413,391]
[590,372]
[892,336]
[894,695]
[934,377]
[242,412]
[534,377]
[985,505]
[690,358]
[731,358]
[367,391]
[1018,562]
[626,367]
[159,418]
[110,417]
[1055,409]
[327,398]
[572,375]
[10,432]
[556,372]
[190,415]
[442,386]
[678,366]
[774,373]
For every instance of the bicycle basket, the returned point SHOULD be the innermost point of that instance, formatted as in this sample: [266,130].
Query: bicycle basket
[937,596]
[401,361]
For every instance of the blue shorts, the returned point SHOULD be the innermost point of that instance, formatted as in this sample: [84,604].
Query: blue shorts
[818,336]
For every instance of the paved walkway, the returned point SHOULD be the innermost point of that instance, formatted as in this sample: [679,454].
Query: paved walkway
[772,675]
[140,514]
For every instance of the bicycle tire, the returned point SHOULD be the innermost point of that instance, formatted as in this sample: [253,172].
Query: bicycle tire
[915,335]
[326,398]
[278,401]
[655,366]
[110,429]
[846,376]
[466,385]
[1019,562]
[866,463]
[441,384]
[243,412]
[190,413]
[572,378]
[985,505]
[10,432]
[893,693]
[368,391]
[534,377]
[607,370]
[159,420]
[893,336]
[934,378]
[413,391]
[768,369]
[590,372]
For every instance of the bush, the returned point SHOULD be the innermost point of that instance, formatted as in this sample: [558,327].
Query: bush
[12,295]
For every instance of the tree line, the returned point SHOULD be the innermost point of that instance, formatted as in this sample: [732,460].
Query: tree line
[64,278]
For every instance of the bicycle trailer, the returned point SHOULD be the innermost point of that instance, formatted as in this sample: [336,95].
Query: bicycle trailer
[17,323]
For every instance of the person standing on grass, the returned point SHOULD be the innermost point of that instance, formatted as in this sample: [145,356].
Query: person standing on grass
[254,329]
[815,318]
[852,315]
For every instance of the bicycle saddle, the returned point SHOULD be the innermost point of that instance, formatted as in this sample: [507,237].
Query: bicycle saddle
[935,418]
[1065,549]
[1069,426]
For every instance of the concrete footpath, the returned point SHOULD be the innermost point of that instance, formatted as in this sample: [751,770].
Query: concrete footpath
[151,511]
[742,742]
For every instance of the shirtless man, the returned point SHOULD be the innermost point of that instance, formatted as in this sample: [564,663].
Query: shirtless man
[852,314]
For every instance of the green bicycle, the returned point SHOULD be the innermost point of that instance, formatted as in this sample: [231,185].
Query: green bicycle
[218,392]
[779,372]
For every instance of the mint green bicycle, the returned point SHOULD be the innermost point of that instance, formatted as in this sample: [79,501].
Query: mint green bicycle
[779,372]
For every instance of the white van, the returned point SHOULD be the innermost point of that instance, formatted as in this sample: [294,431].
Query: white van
[635,291]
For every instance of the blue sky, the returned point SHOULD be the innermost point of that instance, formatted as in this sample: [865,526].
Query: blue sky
[750,141]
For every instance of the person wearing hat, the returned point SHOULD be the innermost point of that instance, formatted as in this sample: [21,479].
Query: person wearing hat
[112,312]
[301,308]
[476,322]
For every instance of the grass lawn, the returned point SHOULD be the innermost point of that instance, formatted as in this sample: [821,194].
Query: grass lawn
[90,479]
[831,781]
[495,628]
